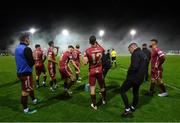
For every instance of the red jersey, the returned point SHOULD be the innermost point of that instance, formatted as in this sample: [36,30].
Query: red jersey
[155,55]
[51,54]
[76,55]
[65,58]
[38,56]
[94,55]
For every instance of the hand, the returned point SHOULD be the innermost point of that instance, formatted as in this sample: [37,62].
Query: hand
[78,72]
[56,47]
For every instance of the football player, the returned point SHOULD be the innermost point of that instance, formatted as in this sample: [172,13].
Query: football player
[77,59]
[157,60]
[24,65]
[113,56]
[93,57]
[39,58]
[65,70]
[52,65]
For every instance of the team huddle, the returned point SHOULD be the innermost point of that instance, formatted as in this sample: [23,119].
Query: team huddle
[99,64]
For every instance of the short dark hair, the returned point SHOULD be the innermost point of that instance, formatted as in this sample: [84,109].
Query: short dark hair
[77,46]
[92,40]
[23,36]
[70,46]
[50,43]
[132,44]
[37,45]
[155,40]
[144,44]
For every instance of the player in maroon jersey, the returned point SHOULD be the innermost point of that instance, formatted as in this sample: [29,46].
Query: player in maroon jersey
[77,58]
[93,57]
[65,70]
[39,58]
[157,59]
[52,65]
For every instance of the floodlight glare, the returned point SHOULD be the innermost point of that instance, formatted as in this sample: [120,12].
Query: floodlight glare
[133,32]
[65,32]
[32,30]
[101,33]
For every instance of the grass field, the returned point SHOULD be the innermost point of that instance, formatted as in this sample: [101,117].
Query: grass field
[54,108]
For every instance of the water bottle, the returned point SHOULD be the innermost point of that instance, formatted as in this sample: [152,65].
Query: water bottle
[87,87]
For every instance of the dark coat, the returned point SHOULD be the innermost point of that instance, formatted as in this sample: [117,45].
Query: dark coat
[137,68]
[148,53]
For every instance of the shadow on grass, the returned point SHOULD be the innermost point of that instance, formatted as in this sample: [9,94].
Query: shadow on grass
[53,100]
[7,101]
[79,88]
[143,100]
[9,84]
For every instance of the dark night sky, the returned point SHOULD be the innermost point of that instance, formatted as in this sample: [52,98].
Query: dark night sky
[89,15]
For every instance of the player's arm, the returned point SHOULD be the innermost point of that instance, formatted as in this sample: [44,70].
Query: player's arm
[44,58]
[85,61]
[57,50]
[161,60]
[29,56]
[75,65]
[51,60]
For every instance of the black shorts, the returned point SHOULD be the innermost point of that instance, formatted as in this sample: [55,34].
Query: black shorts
[113,58]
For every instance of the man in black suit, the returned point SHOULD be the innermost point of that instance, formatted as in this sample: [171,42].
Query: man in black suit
[148,54]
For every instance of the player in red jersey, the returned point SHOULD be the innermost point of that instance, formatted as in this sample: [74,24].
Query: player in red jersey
[157,59]
[39,58]
[77,59]
[52,65]
[65,70]
[93,57]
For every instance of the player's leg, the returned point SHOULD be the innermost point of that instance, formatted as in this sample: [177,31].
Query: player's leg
[37,81]
[135,96]
[37,76]
[27,87]
[105,70]
[54,78]
[152,84]
[101,83]
[44,75]
[24,101]
[124,88]
[31,90]
[161,86]
[115,61]
[112,60]
[92,81]
[78,79]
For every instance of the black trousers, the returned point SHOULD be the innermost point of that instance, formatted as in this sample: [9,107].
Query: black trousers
[146,73]
[105,70]
[135,89]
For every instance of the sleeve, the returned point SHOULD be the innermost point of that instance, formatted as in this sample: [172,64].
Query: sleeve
[160,53]
[85,54]
[29,56]
[134,64]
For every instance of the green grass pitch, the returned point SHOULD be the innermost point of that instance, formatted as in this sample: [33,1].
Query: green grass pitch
[77,108]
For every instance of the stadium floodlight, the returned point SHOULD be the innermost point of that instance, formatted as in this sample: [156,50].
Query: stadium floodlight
[65,32]
[133,32]
[101,33]
[32,30]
